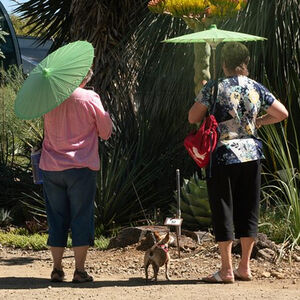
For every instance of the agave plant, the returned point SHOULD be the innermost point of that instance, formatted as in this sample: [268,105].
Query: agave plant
[195,209]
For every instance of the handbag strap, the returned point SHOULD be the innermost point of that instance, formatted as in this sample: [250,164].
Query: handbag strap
[214,98]
[214,101]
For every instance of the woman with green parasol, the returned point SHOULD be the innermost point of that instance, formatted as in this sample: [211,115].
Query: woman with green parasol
[74,119]
[234,181]
[69,164]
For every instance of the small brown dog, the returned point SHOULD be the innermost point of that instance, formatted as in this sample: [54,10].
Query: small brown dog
[158,256]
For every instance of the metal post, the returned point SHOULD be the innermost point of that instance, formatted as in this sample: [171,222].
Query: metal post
[178,200]
[177,239]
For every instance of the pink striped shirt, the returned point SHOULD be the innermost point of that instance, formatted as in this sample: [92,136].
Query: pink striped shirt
[71,132]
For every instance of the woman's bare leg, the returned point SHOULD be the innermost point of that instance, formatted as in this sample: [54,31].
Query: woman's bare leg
[226,271]
[80,254]
[244,265]
[57,255]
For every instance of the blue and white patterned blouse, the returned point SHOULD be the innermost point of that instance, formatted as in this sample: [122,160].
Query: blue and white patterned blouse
[239,101]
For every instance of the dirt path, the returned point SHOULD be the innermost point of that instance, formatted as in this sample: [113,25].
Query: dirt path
[118,274]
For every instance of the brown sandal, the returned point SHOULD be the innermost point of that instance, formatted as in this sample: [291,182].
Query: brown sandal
[81,276]
[57,275]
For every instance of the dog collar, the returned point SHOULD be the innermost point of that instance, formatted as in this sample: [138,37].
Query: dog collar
[165,248]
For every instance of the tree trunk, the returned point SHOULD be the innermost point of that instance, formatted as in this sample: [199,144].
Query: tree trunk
[104,25]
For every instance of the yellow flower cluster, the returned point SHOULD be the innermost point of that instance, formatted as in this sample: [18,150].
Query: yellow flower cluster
[222,8]
[197,8]
[179,8]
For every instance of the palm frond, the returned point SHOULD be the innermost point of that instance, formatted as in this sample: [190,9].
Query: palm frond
[52,14]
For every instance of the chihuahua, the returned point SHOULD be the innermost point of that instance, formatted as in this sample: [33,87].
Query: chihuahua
[158,256]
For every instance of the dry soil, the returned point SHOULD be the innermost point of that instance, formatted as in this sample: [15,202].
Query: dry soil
[118,274]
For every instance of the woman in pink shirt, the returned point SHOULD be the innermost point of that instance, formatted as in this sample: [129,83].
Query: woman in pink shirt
[69,163]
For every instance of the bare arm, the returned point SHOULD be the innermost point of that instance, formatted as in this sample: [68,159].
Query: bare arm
[103,121]
[275,113]
[197,113]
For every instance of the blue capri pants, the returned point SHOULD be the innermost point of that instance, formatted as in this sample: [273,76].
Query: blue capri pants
[69,197]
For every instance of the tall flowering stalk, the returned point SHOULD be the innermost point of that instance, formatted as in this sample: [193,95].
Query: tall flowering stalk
[198,15]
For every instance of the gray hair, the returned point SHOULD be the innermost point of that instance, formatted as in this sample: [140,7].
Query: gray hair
[88,77]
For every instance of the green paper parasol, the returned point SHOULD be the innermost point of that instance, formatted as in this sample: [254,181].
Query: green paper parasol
[213,37]
[54,79]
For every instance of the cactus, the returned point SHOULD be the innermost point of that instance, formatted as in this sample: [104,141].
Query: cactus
[195,209]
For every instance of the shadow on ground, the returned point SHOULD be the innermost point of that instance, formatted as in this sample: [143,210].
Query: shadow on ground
[16,283]
[24,260]
[17,261]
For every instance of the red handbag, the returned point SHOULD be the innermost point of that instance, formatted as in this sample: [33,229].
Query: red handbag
[200,145]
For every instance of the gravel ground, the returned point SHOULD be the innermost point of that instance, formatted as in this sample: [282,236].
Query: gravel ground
[118,273]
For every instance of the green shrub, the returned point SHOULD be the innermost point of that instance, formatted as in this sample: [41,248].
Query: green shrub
[20,238]
[34,242]
[282,186]
[273,224]
[16,139]
[101,243]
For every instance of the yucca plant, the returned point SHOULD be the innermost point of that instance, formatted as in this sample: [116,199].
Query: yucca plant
[5,217]
[2,40]
[195,209]
[35,204]
[135,177]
